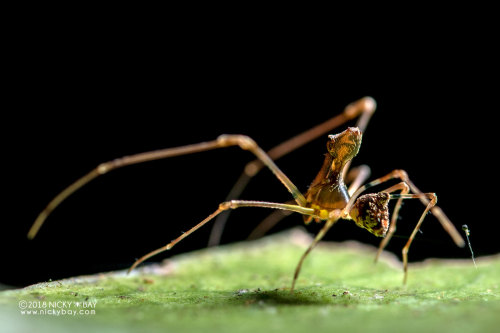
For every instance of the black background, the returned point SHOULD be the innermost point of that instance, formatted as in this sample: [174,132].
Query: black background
[76,107]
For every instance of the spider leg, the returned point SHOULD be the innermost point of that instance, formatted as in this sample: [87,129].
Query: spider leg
[362,108]
[432,199]
[405,189]
[356,177]
[328,224]
[435,210]
[268,223]
[233,204]
[244,142]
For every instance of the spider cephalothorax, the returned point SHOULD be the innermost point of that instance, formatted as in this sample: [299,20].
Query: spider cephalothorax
[343,147]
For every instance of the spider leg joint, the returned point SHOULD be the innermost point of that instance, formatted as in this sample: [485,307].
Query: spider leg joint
[245,142]
[366,104]
[401,174]
[103,168]
[226,205]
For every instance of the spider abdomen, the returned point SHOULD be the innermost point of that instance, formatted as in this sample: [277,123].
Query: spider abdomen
[371,212]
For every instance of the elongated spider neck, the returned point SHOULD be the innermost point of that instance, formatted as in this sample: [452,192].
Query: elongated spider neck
[328,190]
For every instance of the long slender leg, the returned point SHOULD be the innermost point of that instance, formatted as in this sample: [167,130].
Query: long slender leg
[432,199]
[319,236]
[363,108]
[268,223]
[435,210]
[405,189]
[244,142]
[233,204]
[356,177]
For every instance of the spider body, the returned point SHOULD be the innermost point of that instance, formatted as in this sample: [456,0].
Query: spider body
[328,190]
[328,198]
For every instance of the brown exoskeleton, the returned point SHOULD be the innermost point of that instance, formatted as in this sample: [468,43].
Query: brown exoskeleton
[327,200]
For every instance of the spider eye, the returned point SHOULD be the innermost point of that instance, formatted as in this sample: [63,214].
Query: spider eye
[330,146]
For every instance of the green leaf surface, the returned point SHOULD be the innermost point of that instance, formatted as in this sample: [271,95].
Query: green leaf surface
[244,287]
